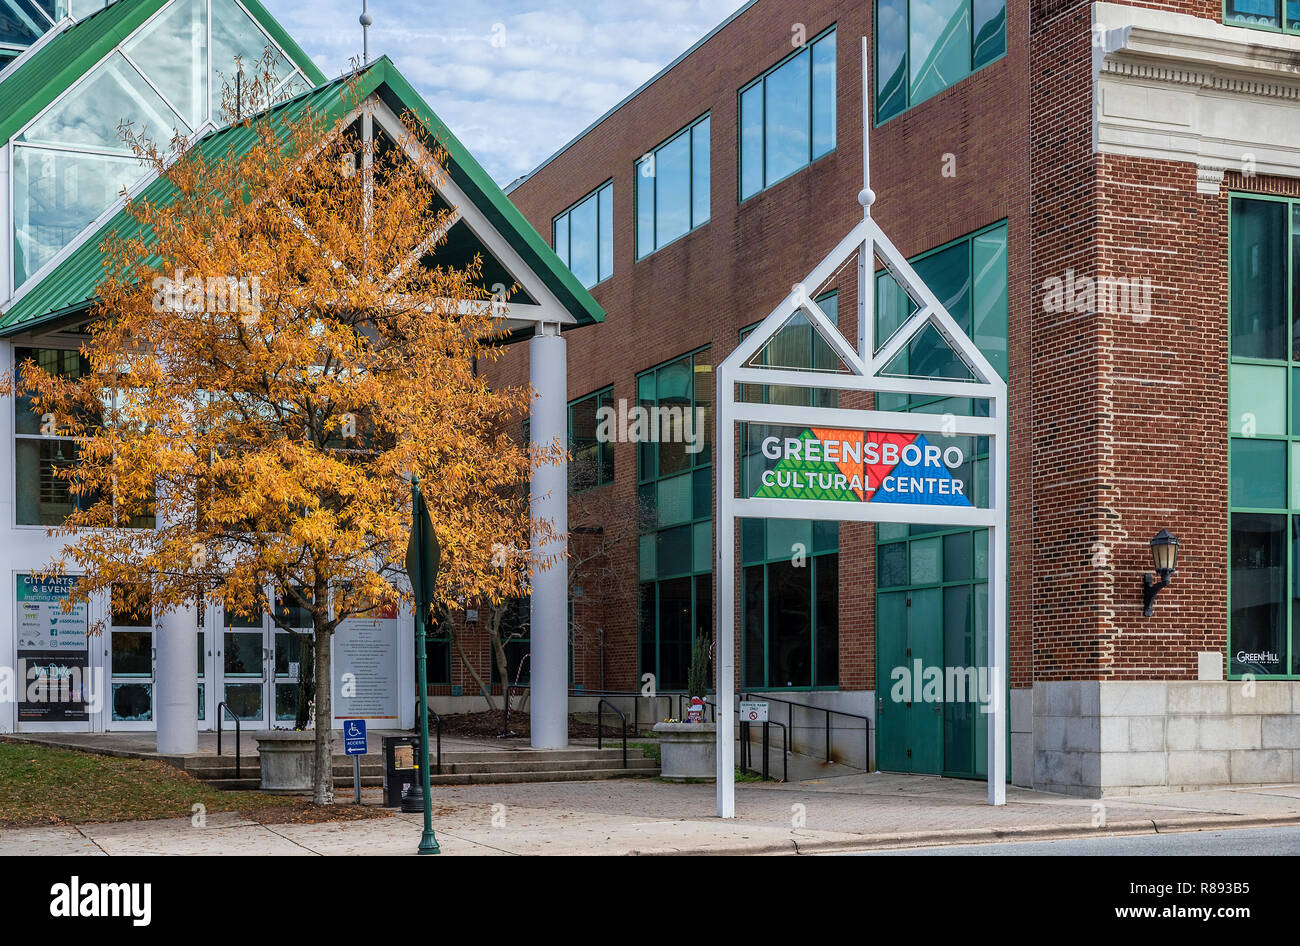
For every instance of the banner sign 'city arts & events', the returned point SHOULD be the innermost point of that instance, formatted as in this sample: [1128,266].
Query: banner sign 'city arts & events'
[831,464]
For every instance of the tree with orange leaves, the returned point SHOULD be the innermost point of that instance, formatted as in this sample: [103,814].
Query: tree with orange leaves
[271,359]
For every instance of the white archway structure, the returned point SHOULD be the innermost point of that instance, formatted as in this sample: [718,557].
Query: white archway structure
[864,368]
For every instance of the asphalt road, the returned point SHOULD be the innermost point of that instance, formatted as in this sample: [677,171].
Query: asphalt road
[1281,841]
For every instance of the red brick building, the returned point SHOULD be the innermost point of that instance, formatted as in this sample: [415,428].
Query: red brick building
[1105,197]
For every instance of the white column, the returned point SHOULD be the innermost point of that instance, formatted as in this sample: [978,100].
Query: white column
[549,495]
[176,657]
[176,682]
[998,617]
[724,595]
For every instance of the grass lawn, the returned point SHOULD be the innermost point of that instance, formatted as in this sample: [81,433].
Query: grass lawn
[43,785]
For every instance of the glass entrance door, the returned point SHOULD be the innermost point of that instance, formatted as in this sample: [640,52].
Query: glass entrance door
[130,657]
[291,652]
[243,659]
[262,667]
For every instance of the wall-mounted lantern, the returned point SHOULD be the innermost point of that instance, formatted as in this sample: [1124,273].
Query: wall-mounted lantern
[1164,557]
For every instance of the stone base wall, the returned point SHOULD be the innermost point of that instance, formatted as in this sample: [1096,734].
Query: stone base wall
[1093,738]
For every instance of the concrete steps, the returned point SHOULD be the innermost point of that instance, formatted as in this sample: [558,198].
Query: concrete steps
[458,768]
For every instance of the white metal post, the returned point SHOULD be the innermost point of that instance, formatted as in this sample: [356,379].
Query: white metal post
[549,499]
[725,594]
[998,617]
[866,255]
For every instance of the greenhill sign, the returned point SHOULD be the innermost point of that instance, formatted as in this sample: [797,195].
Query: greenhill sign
[861,466]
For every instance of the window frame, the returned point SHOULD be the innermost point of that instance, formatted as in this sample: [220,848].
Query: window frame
[638,177]
[814,554]
[876,120]
[1289,511]
[830,32]
[1288,27]
[701,465]
[599,396]
[567,258]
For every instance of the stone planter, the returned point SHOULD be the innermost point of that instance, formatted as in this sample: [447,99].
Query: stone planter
[688,750]
[287,760]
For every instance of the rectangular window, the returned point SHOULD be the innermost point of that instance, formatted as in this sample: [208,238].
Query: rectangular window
[584,236]
[925,46]
[787,116]
[1264,436]
[675,510]
[1263,14]
[591,460]
[43,458]
[672,188]
[790,616]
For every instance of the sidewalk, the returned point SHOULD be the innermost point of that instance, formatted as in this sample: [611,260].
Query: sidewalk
[857,812]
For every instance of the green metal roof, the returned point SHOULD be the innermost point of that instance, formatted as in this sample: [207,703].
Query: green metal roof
[72,53]
[69,290]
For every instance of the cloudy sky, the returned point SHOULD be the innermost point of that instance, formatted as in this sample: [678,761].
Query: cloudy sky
[513,79]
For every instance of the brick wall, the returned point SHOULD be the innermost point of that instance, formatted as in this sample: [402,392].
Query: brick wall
[1118,425]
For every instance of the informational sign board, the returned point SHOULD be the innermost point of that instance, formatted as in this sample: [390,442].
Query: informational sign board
[354,737]
[859,466]
[753,711]
[52,652]
[365,662]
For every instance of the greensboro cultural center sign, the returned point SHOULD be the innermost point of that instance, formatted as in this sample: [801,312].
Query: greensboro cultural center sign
[864,466]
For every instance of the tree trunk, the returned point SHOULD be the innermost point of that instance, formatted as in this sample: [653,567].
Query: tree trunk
[464,659]
[323,793]
[503,671]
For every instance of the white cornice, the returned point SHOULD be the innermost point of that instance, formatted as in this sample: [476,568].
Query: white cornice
[1178,87]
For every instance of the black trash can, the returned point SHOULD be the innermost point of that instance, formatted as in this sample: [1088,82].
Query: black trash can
[401,772]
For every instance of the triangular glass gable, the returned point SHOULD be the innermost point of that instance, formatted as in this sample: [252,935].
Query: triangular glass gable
[89,115]
[928,355]
[800,346]
[65,172]
[894,306]
[235,35]
[172,51]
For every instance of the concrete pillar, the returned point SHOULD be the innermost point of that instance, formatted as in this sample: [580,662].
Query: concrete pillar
[549,497]
[176,681]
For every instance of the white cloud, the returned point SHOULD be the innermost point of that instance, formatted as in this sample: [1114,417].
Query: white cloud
[513,79]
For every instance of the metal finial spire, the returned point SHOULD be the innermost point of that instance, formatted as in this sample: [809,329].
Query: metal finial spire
[365,19]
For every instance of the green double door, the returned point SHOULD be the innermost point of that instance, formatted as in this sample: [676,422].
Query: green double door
[918,630]
[909,732]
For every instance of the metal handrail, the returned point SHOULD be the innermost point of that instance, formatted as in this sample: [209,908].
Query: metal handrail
[744,743]
[600,728]
[635,695]
[223,705]
[791,704]
[785,749]
[437,725]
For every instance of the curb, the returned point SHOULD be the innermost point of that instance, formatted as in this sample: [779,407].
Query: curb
[976,836]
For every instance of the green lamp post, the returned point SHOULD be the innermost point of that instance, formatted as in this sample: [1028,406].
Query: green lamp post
[422,557]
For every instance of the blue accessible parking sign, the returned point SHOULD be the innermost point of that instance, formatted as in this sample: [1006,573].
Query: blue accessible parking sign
[354,736]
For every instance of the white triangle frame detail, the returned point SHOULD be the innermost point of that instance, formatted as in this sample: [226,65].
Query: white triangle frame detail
[869,242]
